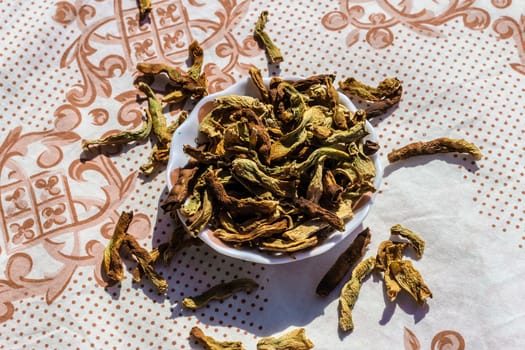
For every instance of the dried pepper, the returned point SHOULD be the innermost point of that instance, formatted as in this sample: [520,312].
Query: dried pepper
[293,340]
[220,292]
[277,173]
[410,280]
[191,85]
[144,8]
[350,292]
[112,261]
[274,53]
[178,240]
[184,85]
[399,274]
[344,263]
[381,98]
[122,137]
[210,343]
[439,145]
[416,242]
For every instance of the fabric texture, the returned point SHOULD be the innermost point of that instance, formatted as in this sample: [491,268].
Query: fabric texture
[66,74]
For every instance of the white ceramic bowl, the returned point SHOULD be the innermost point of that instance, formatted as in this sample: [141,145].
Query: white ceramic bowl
[188,134]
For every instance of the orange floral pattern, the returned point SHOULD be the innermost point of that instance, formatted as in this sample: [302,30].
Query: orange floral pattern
[444,340]
[165,38]
[40,210]
[510,28]
[378,28]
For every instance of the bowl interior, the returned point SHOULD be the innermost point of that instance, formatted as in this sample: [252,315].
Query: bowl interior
[188,134]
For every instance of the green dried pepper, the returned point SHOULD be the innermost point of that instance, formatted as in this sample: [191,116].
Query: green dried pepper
[415,241]
[274,53]
[112,262]
[383,97]
[410,280]
[439,145]
[257,80]
[248,173]
[210,343]
[350,292]
[122,137]
[293,340]
[279,173]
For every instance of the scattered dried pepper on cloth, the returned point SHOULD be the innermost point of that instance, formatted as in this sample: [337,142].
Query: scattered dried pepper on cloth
[210,343]
[293,340]
[183,87]
[220,292]
[274,53]
[112,261]
[344,263]
[350,292]
[380,99]
[439,145]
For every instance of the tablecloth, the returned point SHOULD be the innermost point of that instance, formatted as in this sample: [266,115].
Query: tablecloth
[67,71]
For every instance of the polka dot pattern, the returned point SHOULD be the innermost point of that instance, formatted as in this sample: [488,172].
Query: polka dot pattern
[459,83]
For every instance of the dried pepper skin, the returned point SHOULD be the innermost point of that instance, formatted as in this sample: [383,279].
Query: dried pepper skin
[112,261]
[157,68]
[410,280]
[122,137]
[247,172]
[210,343]
[220,292]
[180,189]
[160,127]
[383,97]
[160,152]
[144,8]
[399,274]
[292,162]
[185,85]
[257,80]
[145,265]
[293,340]
[274,53]
[350,292]
[370,147]
[315,210]
[439,145]
[241,206]
[344,263]
[389,251]
[415,241]
[191,85]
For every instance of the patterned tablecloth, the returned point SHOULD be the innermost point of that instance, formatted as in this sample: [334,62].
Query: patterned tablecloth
[66,73]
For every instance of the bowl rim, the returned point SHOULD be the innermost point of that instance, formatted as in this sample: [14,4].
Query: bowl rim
[178,158]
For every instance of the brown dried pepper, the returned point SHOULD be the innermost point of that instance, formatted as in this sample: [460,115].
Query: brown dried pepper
[344,263]
[112,261]
[439,145]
